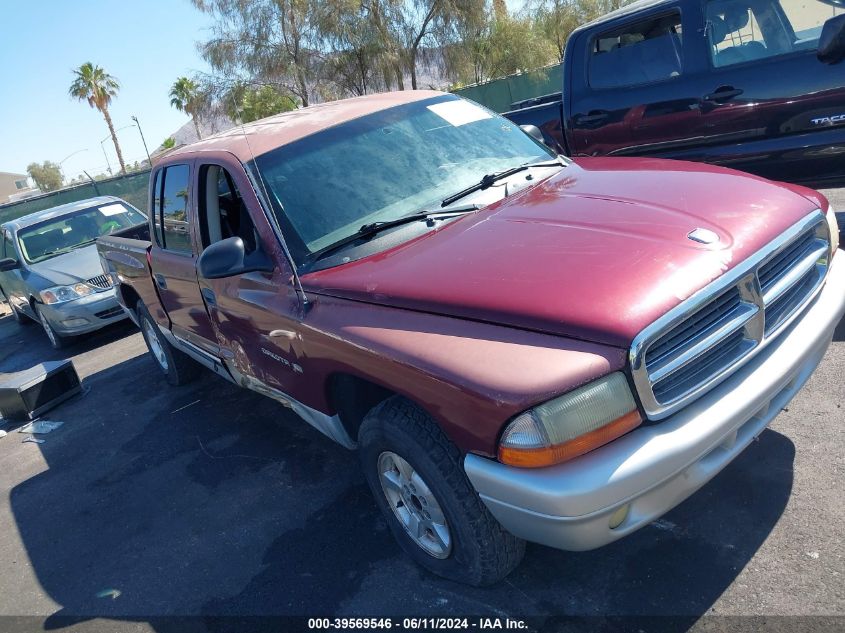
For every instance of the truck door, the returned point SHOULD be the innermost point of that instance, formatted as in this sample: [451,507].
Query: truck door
[767,100]
[173,257]
[254,314]
[630,92]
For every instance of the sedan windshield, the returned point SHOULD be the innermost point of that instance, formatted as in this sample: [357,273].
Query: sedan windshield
[387,165]
[80,228]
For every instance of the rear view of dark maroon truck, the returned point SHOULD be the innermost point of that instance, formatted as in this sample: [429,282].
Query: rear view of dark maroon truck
[755,85]
[522,347]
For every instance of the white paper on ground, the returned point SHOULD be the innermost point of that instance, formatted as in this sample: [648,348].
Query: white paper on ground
[40,427]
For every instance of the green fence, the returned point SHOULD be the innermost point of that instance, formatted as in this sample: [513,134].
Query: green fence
[499,94]
[132,188]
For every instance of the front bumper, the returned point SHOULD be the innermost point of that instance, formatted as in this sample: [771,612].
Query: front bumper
[655,467]
[84,315]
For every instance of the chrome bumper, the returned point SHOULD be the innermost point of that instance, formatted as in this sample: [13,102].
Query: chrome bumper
[654,468]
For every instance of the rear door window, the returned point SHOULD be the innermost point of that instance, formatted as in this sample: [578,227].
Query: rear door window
[641,53]
[175,199]
[742,31]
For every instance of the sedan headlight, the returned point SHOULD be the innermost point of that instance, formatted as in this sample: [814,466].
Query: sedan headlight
[63,294]
[834,229]
[570,425]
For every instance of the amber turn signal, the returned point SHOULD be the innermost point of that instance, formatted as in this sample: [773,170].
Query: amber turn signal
[550,455]
[570,425]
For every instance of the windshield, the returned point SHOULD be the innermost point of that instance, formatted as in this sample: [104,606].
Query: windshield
[60,235]
[387,165]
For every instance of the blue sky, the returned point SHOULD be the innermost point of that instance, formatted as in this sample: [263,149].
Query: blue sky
[146,45]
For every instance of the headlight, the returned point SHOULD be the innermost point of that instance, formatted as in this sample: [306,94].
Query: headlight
[62,294]
[834,229]
[571,425]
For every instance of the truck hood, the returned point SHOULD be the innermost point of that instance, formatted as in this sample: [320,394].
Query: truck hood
[596,252]
[70,268]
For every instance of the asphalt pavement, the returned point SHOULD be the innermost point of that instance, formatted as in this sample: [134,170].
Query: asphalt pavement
[152,502]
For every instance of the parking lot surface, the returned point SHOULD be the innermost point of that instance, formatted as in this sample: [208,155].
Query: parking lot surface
[210,500]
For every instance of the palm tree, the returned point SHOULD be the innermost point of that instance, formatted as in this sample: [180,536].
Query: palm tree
[185,97]
[95,85]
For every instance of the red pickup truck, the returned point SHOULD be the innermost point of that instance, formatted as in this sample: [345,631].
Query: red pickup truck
[521,346]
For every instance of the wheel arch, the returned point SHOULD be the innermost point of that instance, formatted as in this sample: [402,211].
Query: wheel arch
[130,299]
[352,397]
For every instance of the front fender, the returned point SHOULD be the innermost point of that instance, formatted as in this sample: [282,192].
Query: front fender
[471,376]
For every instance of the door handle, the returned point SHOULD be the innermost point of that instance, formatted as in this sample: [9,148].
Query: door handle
[209,296]
[593,117]
[161,282]
[722,94]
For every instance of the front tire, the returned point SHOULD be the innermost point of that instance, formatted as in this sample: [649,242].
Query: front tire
[57,341]
[178,368]
[416,476]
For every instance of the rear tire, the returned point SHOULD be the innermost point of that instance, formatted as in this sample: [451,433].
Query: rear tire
[57,341]
[178,368]
[20,319]
[417,478]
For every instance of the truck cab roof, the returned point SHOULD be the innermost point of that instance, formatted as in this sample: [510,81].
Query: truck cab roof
[628,9]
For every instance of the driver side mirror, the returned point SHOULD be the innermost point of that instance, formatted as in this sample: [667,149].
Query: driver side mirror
[8,264]
[228,258]
[832,41]
[534,132]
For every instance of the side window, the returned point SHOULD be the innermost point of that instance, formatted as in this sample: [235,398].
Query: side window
[174,208]
[222,212]
[806,19]
[642,53]
[155,209]
[747,30]
[9,247]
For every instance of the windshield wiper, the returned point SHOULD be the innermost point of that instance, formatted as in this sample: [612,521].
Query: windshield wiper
[371,229]
[488,180]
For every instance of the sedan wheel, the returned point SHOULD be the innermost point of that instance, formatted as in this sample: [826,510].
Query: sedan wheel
[155,344]
[55,340]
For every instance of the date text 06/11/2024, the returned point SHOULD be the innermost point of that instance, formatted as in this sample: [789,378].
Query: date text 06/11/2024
[413,624]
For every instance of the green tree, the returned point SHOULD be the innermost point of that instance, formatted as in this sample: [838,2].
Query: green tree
[245,104]
[47,175]
[556,19]
[359,56]
[94,85]
[169,143]
[265,41]
[422,24]
[496,45]
[185,96]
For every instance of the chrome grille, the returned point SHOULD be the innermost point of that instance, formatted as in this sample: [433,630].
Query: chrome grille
[100,281]
[706,338]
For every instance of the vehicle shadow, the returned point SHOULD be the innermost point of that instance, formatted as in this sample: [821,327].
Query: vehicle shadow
[839,332]
[210,501]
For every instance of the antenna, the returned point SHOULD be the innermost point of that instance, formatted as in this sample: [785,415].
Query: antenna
[306,305]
